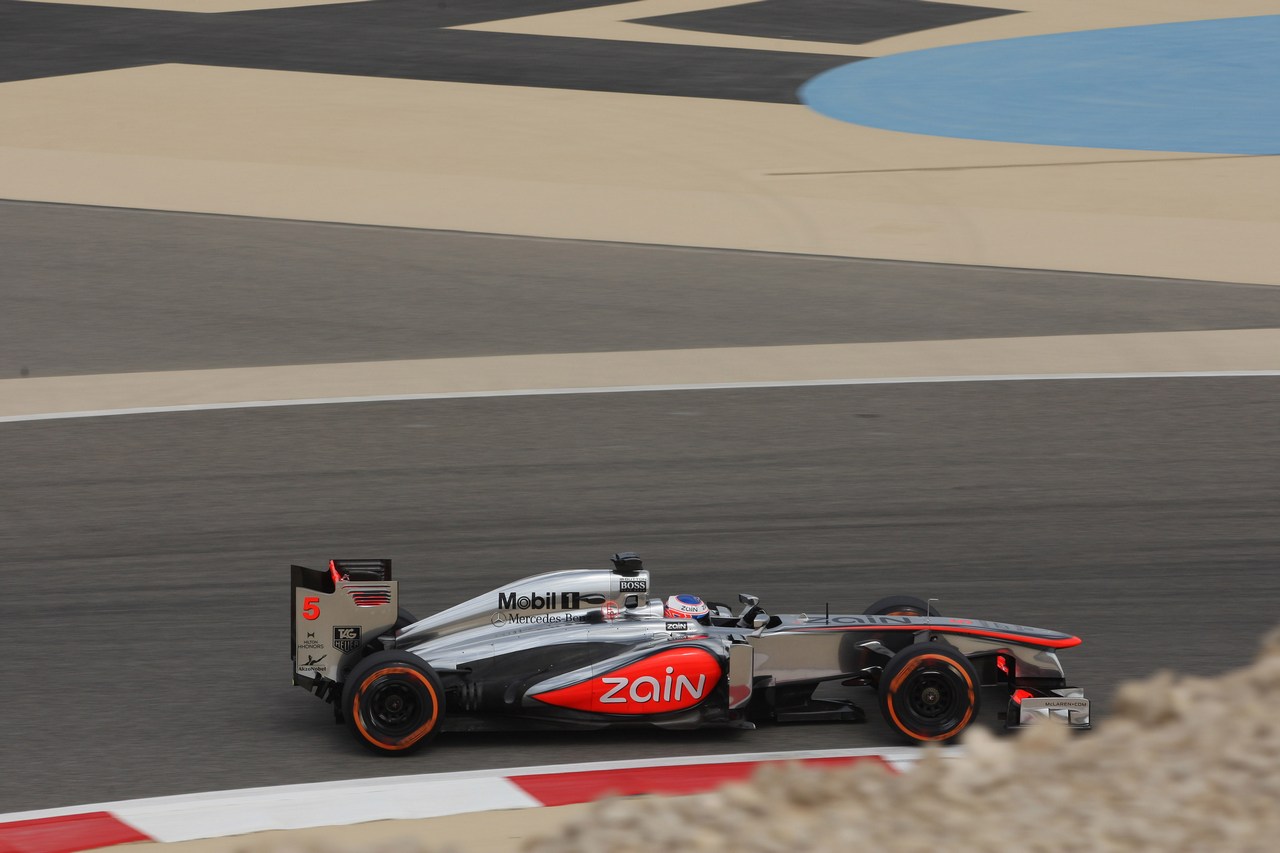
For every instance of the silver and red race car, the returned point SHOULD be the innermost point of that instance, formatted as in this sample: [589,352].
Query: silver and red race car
[590,648]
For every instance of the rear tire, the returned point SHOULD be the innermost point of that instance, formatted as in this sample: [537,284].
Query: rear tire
[929,692]
[901,605]
[393,702]
[403,619]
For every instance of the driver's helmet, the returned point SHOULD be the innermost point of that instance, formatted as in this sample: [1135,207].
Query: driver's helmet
[687,606]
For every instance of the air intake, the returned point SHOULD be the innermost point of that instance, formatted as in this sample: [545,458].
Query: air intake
[369,594]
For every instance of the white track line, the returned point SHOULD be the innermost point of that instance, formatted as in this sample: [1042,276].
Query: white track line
[629,389]
[186,817]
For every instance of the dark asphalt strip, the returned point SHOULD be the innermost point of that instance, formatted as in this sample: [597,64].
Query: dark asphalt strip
[146,557]
[846,21]
[403,39]
[100,290]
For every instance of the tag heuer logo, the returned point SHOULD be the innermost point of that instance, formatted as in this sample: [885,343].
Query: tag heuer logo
[346,638]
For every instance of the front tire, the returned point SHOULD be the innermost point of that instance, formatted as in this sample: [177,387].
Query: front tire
[929,692]
[393,702]
[901,605]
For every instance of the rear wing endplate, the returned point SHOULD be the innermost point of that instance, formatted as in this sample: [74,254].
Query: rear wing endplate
[335,613]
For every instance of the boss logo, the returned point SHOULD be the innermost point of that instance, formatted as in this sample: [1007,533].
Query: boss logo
[633,585]
[677,626]
[346,638]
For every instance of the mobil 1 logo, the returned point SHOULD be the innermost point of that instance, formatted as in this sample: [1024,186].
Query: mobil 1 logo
[539,601]
[346,638]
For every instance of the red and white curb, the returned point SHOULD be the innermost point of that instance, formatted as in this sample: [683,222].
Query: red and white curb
[187,817]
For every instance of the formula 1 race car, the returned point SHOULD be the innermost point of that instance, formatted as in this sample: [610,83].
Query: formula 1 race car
[589,648]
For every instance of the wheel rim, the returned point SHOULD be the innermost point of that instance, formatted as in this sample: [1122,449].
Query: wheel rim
[396,707]
[932,697]
[932,700]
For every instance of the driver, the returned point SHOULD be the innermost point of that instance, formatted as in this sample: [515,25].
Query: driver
[687,606]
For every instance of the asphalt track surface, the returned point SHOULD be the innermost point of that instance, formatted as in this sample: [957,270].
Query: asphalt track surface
[144,291]
[145,557]
[402,39]
[148,554]
[408,39]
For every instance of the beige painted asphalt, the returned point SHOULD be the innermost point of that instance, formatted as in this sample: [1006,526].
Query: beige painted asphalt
[645,169]
[1037,17]
[628,168]
[1236,350]
[631,168]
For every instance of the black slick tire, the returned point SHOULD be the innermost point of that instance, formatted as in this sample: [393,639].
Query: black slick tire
[393,703]
[403,619]
[901,605]
[929,692]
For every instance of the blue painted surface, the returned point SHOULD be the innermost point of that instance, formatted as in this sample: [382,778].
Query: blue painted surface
[1202,86]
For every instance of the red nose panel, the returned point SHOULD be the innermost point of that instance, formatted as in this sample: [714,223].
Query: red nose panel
[668,681]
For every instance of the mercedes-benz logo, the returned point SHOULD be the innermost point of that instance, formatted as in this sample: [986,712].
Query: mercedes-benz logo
[498,620]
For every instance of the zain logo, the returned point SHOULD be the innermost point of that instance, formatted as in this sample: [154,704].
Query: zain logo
[646,688]
[671,680]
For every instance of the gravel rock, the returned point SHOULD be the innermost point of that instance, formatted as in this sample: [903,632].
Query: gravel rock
[1184,764]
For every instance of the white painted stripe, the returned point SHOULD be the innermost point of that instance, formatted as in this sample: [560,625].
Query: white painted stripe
[631,389]
[187,817]
[240,814]
[887,753]
[400,788]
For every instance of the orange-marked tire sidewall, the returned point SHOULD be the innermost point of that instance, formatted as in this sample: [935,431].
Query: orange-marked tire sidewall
[418,733]
[911,667]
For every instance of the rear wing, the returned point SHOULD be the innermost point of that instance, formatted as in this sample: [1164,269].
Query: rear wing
[335,613]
